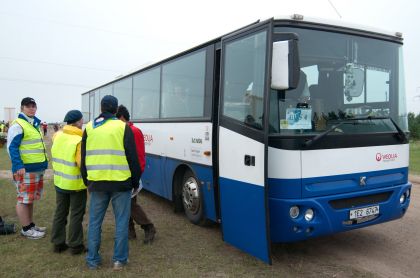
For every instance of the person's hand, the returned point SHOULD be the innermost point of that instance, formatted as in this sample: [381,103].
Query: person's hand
[20,172]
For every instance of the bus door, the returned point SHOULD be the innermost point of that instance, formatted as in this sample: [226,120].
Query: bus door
[242,141]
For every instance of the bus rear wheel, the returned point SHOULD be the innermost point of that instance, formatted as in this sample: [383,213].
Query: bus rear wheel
[192,200]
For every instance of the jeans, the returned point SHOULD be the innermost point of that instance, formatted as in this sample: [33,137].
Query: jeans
[121,207]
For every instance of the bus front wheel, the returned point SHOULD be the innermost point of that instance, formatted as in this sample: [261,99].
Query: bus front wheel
[192,199]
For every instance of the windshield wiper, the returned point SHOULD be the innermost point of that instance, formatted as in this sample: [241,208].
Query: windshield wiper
[310,142]
[401,135]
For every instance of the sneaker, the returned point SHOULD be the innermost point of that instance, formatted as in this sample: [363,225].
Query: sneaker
[40,229]
[32,234]
[118,265]
[149,234]
[58,248]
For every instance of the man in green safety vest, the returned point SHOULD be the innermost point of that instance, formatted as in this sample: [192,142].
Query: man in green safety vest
[69,186]
[29,160]
[110,169]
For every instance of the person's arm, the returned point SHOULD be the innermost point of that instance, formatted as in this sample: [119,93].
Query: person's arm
[78,155]
[141,153]
[131,155]
[14,139]
[139,140]
[83,170]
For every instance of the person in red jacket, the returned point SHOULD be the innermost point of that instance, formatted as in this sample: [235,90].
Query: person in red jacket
[137,213]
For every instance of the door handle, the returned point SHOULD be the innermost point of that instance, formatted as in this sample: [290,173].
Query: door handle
[249,160]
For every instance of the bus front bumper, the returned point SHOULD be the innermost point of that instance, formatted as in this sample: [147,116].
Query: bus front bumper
[331,214]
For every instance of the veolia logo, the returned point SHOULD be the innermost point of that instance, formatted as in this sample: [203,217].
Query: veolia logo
[385,157]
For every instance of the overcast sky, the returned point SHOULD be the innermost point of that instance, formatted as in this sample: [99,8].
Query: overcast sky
[54,50]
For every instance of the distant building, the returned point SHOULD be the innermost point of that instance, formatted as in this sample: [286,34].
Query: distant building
[9,114]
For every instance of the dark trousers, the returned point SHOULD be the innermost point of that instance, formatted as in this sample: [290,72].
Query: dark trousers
[75,202]
[138,215]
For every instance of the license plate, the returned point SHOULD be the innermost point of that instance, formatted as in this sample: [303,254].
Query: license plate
[363,212]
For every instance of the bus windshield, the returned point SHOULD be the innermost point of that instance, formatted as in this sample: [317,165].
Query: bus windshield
[342,77]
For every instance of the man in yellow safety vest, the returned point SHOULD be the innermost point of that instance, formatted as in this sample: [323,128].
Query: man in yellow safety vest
[29,160]
[69,186]
[110,169]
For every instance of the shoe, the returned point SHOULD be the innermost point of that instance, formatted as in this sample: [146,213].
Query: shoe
[32,234]
[149,234]
[7,228]
[118,265]
[132,234]
[77,250]
[40,229]
[93,267]
[58,248]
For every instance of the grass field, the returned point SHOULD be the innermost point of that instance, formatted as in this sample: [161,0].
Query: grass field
[415,157]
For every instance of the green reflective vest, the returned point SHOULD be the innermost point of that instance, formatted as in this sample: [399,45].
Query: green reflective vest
[66,172]
[32,148]
[105,153]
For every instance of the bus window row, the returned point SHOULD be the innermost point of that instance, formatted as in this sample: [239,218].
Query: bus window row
[175,89]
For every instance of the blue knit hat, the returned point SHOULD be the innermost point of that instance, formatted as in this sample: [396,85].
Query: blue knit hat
[73,116]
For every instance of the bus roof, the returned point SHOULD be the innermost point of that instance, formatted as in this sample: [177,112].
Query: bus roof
[294,18]
[337,23]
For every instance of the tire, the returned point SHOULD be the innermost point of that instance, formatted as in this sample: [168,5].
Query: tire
[192,199]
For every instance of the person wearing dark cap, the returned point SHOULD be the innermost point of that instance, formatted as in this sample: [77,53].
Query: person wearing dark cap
[27,153]
[110,169]
[69,186]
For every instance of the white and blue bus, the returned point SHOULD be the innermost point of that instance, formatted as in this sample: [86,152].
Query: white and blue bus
[284,130]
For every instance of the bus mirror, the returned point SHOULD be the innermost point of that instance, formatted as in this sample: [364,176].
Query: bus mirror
[353,81]
[285,65]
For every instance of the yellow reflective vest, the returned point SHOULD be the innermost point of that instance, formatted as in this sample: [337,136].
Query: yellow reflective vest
[32,148]
[105,153]
[67,174]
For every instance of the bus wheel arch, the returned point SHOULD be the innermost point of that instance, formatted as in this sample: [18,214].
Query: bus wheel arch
[187,195]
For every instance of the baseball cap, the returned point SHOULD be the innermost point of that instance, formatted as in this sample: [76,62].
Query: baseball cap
[27,101]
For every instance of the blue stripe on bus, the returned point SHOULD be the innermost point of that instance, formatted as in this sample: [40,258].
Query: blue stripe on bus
[159,173]
[337,184]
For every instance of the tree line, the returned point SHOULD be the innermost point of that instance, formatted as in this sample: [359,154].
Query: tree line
[414,125]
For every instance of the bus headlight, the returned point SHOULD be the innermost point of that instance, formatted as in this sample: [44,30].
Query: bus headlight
[309,214]
[294,212]
[407,193]
[402,199]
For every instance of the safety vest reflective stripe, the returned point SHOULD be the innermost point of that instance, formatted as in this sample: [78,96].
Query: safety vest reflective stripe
[107,167]
[31,151]
[105,152]
[64,162]
[31,142]
[67,176]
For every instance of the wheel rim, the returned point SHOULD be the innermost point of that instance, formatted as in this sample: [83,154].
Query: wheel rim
[191,195]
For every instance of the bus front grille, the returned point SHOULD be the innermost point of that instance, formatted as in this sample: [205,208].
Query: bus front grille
[360,201]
